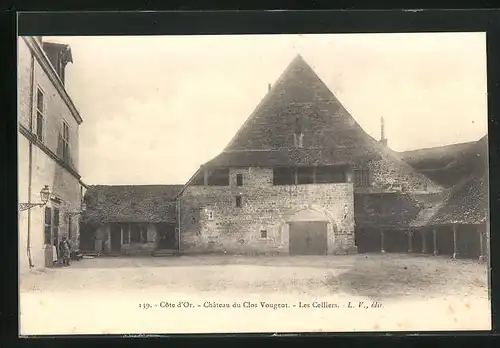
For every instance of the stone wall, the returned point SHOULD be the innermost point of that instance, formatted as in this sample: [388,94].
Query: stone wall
[264,207]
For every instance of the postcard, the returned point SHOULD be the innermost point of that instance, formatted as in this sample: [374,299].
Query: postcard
[253,183]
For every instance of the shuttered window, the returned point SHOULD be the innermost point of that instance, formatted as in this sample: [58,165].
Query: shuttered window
[48,226]
[65,142]
[40,113]
[55,225]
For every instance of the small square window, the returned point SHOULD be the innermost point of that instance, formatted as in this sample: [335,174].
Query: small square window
[263,233]
[210,215]
[238,201]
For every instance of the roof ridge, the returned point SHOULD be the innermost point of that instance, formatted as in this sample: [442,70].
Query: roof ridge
[261,102]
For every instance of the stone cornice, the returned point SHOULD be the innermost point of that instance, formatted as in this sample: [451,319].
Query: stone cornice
[38,52]
[32,138]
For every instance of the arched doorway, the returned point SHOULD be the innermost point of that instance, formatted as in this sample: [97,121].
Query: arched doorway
[309,232]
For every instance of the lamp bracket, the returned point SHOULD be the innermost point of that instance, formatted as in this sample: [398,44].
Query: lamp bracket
[26,206]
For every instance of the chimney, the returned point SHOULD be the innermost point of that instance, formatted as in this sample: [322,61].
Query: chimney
[59,56]
[383,139]
[268,87]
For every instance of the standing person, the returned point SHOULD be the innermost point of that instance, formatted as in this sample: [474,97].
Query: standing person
[66,251]
[54,254]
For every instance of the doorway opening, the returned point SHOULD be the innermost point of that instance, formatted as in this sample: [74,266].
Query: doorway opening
[166,236]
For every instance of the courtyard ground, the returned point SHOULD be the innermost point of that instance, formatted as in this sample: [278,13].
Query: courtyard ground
[348,293]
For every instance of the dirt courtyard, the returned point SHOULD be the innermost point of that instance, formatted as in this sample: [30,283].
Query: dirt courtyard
[451,293]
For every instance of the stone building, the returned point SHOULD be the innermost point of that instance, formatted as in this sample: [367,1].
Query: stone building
[130,220]
[47,151]
[300,177]
[289,180]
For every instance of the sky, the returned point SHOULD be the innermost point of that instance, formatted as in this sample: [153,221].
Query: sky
[155,108]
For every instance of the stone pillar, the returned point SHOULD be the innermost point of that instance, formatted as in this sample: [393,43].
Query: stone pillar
[314,174]
[455,248]
[205,177]
[481,243]
[296,176]
[121,237]
[434,237]
[108,242]
[424,241]
[382,244]
[410,235]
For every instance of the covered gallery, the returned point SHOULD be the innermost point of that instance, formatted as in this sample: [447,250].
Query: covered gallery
[130,220]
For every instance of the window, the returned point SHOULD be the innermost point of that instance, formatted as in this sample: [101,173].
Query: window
[362,177]
[65,142]
[55,225]
[48,225]
[298,140]
[219,177]
[305,175]
[238,201]
[210,215]
[263,233]
[239,179]
[330,174]
[40,113]
[61,67]
[283,176]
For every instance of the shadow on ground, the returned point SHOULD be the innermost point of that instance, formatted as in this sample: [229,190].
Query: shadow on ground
[380,277]
[377,276]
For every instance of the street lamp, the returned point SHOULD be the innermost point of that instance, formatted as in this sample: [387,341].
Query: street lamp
[44,197]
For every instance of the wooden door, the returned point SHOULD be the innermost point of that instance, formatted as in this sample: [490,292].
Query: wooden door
[308,238]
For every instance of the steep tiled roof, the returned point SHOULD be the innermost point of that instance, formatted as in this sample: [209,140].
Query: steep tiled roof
[467,201]
[467,204]
[299,102]
[131,203]
[285,157]
[447,165]
[431,157]
[430,204]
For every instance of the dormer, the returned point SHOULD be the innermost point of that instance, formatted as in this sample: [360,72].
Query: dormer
[298,135]
[59,56]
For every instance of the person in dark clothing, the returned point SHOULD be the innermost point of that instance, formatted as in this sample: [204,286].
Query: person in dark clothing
[65,251]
